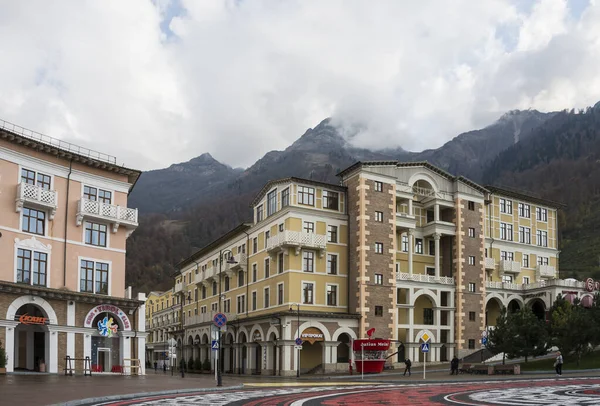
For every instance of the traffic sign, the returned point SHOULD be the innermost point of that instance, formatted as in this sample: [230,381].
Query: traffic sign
[298,341]
[484,340]
[220,320]
[425,347]
[297,347]
[214,345]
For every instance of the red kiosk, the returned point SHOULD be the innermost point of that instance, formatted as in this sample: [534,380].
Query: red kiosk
[370,355]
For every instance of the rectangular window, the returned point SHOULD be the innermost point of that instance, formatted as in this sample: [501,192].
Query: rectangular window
[506,206]
[309,227]
[95,194]
[507,256]
[404,243]
[226,284]
[471,206]
[524,210]
[542,260]
[525,263]
[240,279]
[332,264]
[101,278]
[285,197]
[506,231]
[379,248]
[332,234]
[471,316]
[255,245]
[254,273]
[378,186]
[280,294]
[526,280]
[471,232]
[541,214]
[379,216]
[378,279]
[507,278]
[253,300]
[471,344]
[241,304]
[524,235]
[267,267]
[428,316]
[281,227]
[214,288]
[280,262]
[271,202]
[331,295]
[95,234]
[259,214]
[306,195]
[330,200]
[471,286]
[308,261]
[267,298]
[227,306]
[203,292]
[86,274]
[32,272]
[429,270]
[39,179]
[471,260]
[542,238]
[418,245]
[27,176]
[104,196]
[431,247]
[307,293]
[378,311]
[267,236]
[34,221]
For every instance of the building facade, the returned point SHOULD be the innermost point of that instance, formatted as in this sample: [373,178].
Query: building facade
[404,250]
[63,229]
[162,323]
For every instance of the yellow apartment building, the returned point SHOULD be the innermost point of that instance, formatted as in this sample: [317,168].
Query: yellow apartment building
[163,310]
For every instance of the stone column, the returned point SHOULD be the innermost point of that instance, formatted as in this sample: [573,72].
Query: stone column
[251,358]
[52,356]
[436,239]
[71,322]
[9,344]
[287,353]
[410,251]
[410,207]
[141,347]
[125,342]
[330,356]
[16,346]
[267,362]
[87,346]
[436,212]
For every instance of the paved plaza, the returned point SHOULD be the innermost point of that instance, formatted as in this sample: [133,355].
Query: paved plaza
[39,390]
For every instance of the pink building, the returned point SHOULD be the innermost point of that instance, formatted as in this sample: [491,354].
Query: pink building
[64,223]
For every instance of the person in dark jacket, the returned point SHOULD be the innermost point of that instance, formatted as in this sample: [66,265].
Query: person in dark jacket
[454,366]
[408,364]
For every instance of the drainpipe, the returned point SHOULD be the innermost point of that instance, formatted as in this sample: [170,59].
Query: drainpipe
[247,272]
[67,222]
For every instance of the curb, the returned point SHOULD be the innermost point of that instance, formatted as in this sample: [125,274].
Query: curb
[81,402]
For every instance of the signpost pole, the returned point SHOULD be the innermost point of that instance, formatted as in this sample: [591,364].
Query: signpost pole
[424,363]
[362,356]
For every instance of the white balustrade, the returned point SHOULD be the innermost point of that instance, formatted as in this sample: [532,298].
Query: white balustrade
[113,213]
[444,280]
[510,266]
[298,239]
[546,271]
[37,196]
[490,263]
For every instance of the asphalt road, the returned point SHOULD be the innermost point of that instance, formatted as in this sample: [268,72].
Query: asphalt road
[537,391]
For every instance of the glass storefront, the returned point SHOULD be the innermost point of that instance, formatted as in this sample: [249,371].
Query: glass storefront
[106,344]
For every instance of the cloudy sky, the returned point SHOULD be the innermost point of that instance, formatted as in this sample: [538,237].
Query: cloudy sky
[157,82]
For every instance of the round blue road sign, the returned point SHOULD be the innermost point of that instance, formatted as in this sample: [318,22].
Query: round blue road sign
[298,341]
[220,320]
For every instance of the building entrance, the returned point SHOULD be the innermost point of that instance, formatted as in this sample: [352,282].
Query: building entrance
[31,347]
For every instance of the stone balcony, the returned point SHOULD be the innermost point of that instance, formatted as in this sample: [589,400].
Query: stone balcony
[178,287]
[116,215]
[545,271]
[421,278]
[240,263]
[507,266]
[490,263]
[37,197]
[439,227]
[204,318]
[297,240]
[405,220]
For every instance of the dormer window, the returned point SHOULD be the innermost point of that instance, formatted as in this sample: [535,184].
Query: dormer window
[271,202]
[259,214]
[306,195]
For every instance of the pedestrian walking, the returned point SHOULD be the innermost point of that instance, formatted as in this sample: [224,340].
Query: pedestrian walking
[181,367]
[407,364]
[164,367]
[155,367]
[454,366]
[558,364]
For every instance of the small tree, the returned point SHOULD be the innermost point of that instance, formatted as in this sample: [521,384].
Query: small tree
[2,357]
[206,364]
[500,337]
[198,364]
[190,364]
[530,335]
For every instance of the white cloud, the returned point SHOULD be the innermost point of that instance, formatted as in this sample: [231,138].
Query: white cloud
[238,78]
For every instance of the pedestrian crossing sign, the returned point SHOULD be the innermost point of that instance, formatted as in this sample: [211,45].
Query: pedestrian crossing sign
[215,345]
[425,347]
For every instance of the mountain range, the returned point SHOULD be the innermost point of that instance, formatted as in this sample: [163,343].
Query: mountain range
[187,205]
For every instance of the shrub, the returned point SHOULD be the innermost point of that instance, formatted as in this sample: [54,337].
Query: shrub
[206,364]
[2,358]
[190,365]
[198,364]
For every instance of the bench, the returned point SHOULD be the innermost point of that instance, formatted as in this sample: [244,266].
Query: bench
[476,369]
[514,369]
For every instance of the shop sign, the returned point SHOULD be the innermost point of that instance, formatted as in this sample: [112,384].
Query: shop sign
[591,285]
[106,327]
[312,335]
[104,308]
[27,319]
[371,345]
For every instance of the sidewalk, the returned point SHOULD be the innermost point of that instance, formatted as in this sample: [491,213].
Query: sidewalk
[41,390]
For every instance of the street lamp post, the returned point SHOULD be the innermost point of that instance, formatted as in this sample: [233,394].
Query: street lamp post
[297,336]
[230,261]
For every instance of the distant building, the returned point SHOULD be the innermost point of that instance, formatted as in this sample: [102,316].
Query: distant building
[63,229]
[162,323]
[404,248]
